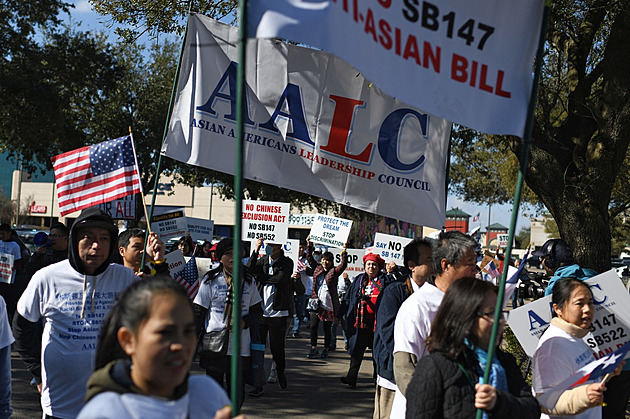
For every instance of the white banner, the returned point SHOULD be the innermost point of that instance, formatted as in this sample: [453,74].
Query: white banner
[390,247]
[467,61]
[200,229]
[176,262]
[611,325]
[314,124]
[170,224]
[330,231]
[291,248]
[355,260]
[265,220]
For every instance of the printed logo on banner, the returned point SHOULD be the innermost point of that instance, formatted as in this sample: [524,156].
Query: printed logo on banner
[610,328]
[366,145]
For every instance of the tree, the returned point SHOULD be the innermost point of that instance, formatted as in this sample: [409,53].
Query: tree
[523,238]
[581,133]
[157,16]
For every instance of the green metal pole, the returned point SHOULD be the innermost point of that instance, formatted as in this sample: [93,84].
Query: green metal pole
[241,107]
[519,189]
[158,168]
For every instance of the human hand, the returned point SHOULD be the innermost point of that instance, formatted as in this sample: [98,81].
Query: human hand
[39,388]
[156,249]
[295,275]
[485,396]
[226,413]
[259,244]
[595,393]
[617,370]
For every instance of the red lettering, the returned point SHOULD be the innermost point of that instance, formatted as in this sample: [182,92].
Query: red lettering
[428,55]
[411,49]
[458,68]
[482,80]
[340,128]
[385,38]
[370,26]
[500,91]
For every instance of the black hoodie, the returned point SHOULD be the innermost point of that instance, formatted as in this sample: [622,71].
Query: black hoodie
[91,217]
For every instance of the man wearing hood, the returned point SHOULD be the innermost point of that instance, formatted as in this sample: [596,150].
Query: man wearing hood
[72,298]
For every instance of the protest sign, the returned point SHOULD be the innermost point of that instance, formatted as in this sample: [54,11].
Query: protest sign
[176,262]
[265,220]
[390,247]
[121,209]
[313,124]
[354,257]
[330,231]
[200,229]
[466,61]
[502,240]
[611,324]
[170,224]
[301,220]
[6,268]
[291,249]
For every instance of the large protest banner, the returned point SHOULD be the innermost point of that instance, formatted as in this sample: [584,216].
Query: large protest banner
[467,61]
[611,324]
[313,124]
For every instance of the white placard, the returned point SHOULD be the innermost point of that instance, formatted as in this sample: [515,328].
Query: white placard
[265,220]
[611,325]
[467,61]
[176,262]
[121,209]
[355,260]
[291,248]
[6,267]
[330,231]
[200,229]
[170,224]
[301,220]
[390,247]
[503,239]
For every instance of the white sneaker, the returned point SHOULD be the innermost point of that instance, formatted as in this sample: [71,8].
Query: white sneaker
[273,377]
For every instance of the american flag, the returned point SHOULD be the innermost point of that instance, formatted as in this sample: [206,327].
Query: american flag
[95,174]
[301,267]
[189,278]
[476,217]
[492,270]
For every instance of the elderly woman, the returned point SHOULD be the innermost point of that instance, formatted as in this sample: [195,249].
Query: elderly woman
[446,384]
[360,318]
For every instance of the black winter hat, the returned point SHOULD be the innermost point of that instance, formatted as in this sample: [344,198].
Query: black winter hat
[223,246]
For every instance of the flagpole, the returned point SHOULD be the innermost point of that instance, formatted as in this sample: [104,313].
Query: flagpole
[519,189]
[158,168]
[144,204]
[241,104]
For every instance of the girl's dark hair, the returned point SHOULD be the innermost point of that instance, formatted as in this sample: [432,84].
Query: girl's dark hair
[457,316]
[562,290]
[131,310]
[328,256]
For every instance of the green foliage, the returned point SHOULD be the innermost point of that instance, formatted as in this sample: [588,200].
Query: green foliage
[551,227]
[7,209]
[511,345]
[523,238]
[157,16]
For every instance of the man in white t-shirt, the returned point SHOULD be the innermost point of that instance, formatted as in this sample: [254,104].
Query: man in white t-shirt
[72,298]
[454,258]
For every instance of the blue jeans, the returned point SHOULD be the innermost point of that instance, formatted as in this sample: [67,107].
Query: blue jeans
[5,382]
[300,312]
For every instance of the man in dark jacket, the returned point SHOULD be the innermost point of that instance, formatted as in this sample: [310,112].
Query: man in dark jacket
[273,274]
[417,257]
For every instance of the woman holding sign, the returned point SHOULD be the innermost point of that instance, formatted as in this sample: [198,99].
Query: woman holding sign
[561,352]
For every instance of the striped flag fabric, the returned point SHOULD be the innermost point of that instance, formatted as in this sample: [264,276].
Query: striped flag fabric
[492,270]
[95,174]
[189,278]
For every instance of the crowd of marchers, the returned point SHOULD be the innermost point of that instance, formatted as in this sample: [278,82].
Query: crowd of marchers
[105,336]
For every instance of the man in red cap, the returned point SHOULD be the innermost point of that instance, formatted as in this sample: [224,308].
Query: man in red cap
[361,315]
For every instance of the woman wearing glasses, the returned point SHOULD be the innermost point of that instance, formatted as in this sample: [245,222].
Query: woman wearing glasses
[446,382]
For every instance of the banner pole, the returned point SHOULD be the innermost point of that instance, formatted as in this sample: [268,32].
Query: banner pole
[158,168]
[241,107]
[517,194]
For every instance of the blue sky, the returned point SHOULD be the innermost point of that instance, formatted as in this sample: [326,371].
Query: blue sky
[90,20]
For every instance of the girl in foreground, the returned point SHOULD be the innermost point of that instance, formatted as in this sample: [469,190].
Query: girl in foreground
[143,357]
[561,352]
[446,382]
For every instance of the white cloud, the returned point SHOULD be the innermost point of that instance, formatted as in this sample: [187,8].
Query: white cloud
[83,6]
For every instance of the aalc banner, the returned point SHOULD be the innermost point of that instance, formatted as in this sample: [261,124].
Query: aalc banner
[467,61]
[313,124]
